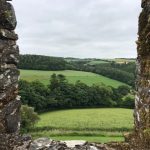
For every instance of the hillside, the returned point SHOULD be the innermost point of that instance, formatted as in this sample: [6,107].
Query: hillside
[95,125]
[120,69]
[72,77]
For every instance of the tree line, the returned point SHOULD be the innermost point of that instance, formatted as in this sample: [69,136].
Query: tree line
[60,94]
[121,72]
[38,62]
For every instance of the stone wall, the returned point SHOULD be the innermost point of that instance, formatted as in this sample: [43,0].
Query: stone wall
[9,58]
[142,101]
[9,54]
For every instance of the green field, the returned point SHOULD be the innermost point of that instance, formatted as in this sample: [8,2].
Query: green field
[94,62]
[122,60]
[72,77]
[94,125]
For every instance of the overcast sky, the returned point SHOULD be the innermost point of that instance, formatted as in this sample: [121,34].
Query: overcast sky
[78,28]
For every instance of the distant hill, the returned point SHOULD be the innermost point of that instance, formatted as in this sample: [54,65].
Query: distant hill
[121,69]
[38,62]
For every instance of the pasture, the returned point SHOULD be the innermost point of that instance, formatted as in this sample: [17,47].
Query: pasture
[72,76]
[123,60]
[95,62]
[94,125]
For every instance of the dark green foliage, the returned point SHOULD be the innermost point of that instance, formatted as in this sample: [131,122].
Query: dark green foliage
[116,74]
[121,72]
[123,90]
[128,102]
[33,94]
[28,118]
[37,62]
[60,94]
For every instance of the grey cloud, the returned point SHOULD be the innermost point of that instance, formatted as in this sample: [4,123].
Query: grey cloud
[78,28]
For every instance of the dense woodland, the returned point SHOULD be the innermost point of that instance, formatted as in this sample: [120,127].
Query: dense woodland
[60,94]
[37,62]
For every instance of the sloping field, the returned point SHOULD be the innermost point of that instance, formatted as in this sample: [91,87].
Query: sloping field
[95,125]
[72,76]
[95,62]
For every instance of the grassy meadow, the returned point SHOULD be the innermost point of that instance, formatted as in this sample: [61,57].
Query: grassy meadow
[94,125]
[122,60]
[72,76]
[95,62]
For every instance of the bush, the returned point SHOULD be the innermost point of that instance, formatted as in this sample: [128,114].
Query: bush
[28,118]
[124,90]
[128,101]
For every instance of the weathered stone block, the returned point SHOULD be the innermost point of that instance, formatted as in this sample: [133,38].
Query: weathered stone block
[14,142]
[9,116]
[6,34]
[143,3]
[4,67]
[8,78]
[10,55]
[8,95]
[5,44]
[7,17]
[12,119]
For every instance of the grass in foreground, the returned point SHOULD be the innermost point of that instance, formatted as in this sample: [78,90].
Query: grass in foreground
[94,125]
[72,76]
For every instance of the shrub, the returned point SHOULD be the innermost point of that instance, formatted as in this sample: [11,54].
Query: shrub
[28,118]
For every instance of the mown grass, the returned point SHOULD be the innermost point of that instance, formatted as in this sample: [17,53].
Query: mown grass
[94,125]
[72,76]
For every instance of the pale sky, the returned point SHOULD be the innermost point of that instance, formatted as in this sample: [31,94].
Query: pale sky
[78,28]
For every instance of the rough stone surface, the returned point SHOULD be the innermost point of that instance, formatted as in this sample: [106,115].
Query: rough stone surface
[141,136]
[46,144]
[6,34]
[9,100]
[74,143]
[7,16]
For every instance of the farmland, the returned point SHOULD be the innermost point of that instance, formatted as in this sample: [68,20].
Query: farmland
[94,125]
[72,76]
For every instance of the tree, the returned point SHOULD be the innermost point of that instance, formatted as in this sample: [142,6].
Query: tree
[28,118]
[128,101]
[124,90]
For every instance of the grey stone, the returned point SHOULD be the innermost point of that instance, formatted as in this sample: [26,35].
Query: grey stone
[9,99]
[8,95]
[9,116]
[7,17]
[8,78]
[10,55]
[13,142]
[6,34]
[5,44]
[93,148]
[143,3]
[73,143]
[40,144]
